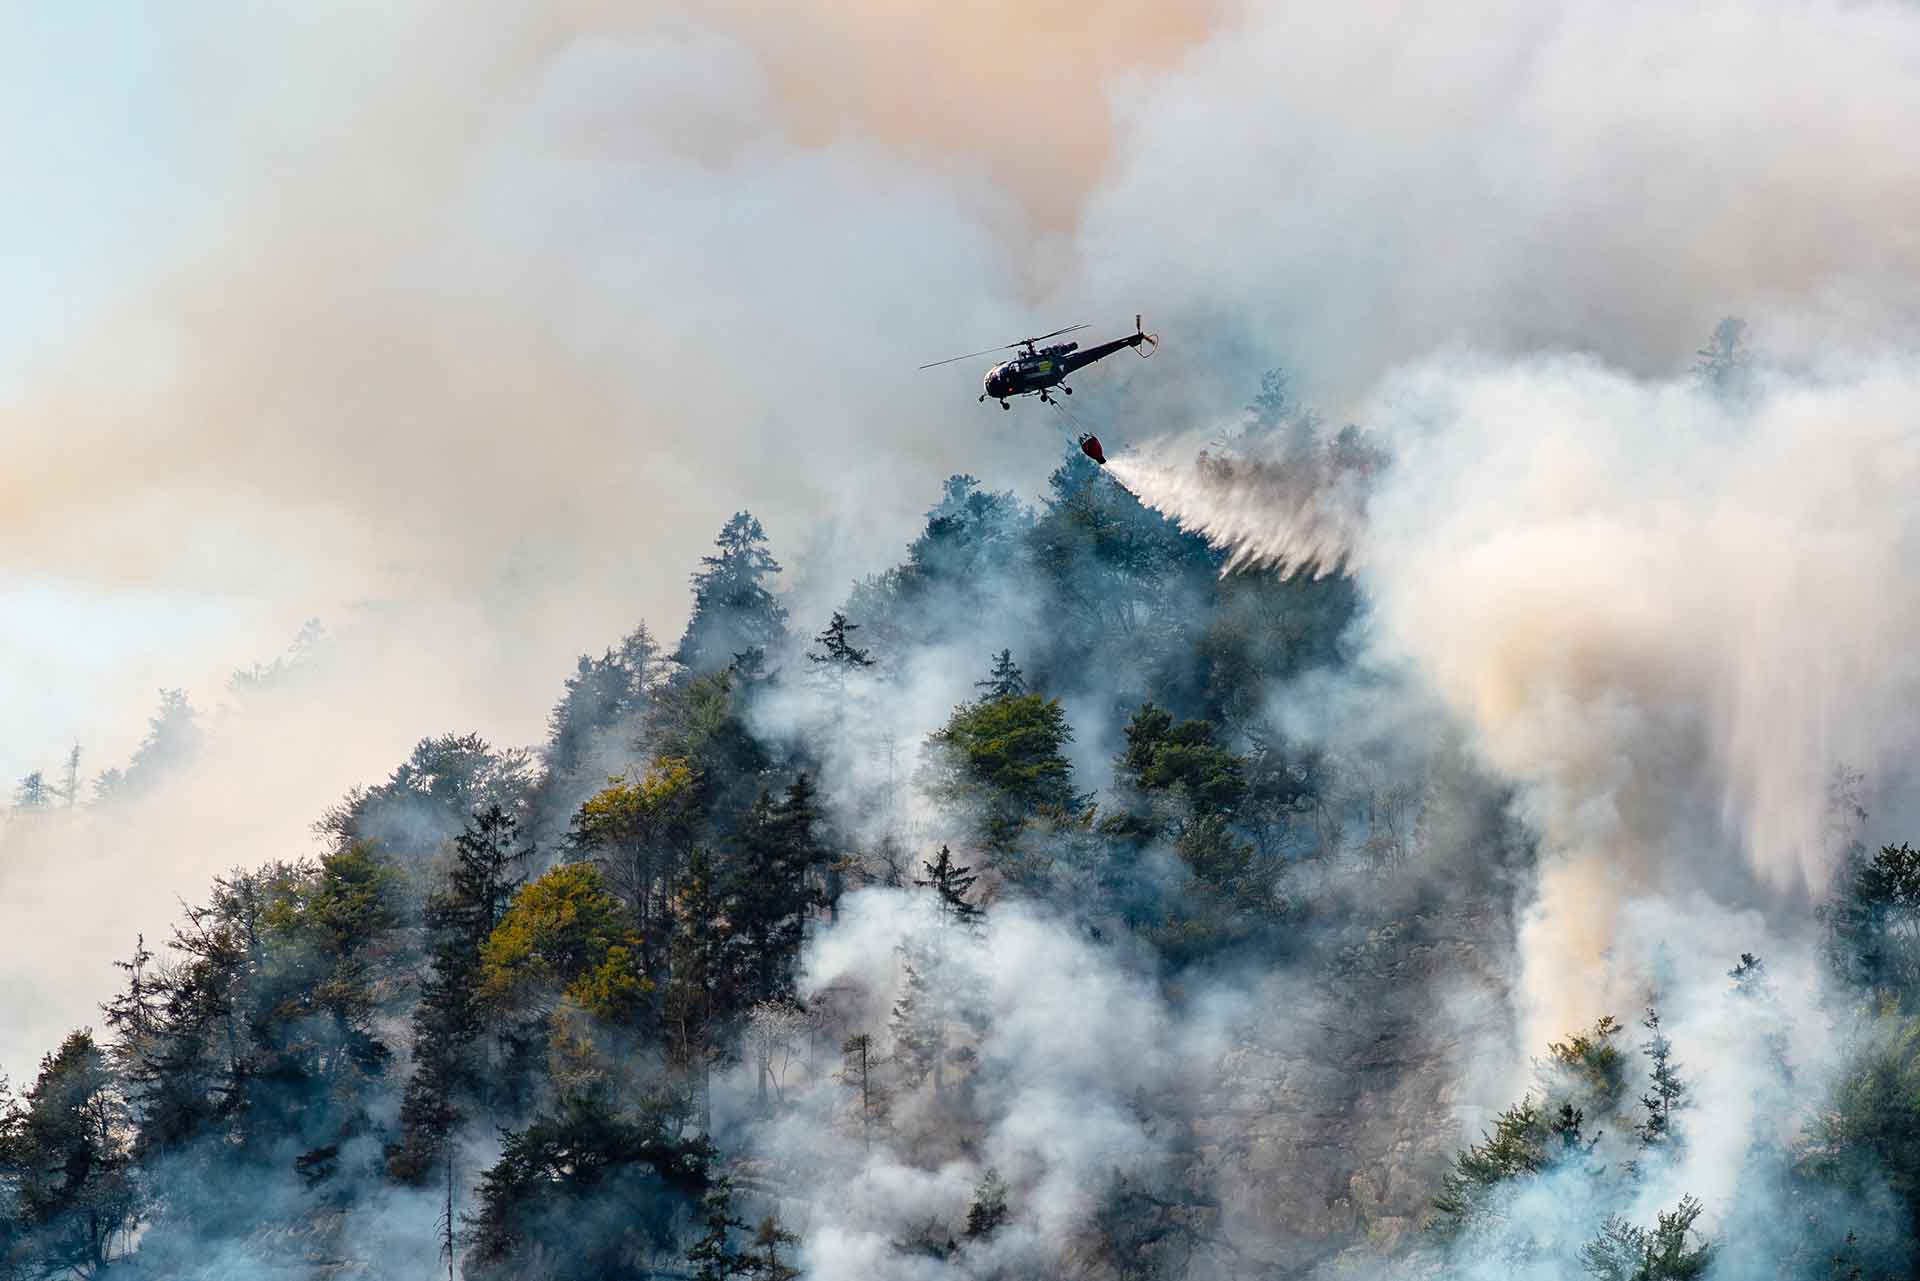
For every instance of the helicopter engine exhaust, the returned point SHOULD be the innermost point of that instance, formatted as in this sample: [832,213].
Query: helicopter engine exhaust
[1090,446]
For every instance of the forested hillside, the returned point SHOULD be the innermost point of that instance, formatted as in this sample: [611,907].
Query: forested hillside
[1058,905]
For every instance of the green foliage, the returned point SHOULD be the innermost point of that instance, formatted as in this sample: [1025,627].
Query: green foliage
[702,722]
[1516,1146]
[599,695]
[838,655]
[1003,761]
[1589,1064]
[428,799]
[1870,1127]
[65,1166]
[1666,1092]
[1161,756]
[713,1256]
[1177,785]
[734,613]
[602,1180]
[950,883]
[1004,680]
[1874,922]
[769,890]
[638,833]
[939,989]
[1669,1251]
[764,1261]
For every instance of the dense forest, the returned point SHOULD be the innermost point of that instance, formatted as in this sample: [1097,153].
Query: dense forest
[1011,919]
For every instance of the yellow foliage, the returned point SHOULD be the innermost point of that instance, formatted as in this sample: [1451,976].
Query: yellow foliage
[564,931]
[651,808]
[614,988]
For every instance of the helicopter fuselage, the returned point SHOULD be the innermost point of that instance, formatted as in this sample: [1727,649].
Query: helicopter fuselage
[1037,371]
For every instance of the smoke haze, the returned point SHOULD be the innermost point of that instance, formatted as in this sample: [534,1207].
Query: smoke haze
[465,333]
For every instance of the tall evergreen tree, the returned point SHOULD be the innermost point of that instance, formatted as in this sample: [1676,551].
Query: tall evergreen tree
[1003,763]
[770,890]
[701,996]
[938,986]
[1668,1251]
[449,1018]
[734,613]
[1666,1093]
[769,1239]
[838,656]
[950,883]
[70,790]
[173,737]
[858,1064]
[1003,680]
[67,1156]
[713,1256]
[33,793]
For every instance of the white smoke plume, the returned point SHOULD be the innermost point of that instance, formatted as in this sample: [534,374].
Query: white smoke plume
[1670,617]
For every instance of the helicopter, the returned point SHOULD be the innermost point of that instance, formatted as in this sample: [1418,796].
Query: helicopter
[1037,370]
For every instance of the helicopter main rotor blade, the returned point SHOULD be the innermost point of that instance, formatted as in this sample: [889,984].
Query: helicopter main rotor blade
[969,356]
[1024,342]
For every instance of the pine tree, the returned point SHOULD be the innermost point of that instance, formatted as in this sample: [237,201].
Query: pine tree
[1569,1127]
[857,1073]
[839,657]
[173,737]
[770,1238]
[734,614]
[1004,680]
[917,1021]
[1515,1147]
[448,1224]
[68,1161]
[70,792]
[701,994]
[950,883]
[1666,1092]
[33,793]
[1622,1251]
[713,1256]
[938,988]
[1003,762]
[449,1019]
[135,1014]
[1724,365]
[769,892]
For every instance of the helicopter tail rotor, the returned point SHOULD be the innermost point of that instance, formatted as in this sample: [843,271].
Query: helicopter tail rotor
[1143,342]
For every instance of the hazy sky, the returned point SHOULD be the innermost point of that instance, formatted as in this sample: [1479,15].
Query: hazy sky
[500,314]
[309,313]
